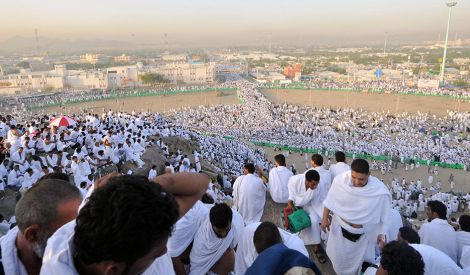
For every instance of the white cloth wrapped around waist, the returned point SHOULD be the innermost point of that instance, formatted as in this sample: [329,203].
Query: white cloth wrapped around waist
[348,227]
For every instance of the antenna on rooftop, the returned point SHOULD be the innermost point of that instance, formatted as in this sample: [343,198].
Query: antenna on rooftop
[165,37]
[270,35]
[385,44]
[37,38]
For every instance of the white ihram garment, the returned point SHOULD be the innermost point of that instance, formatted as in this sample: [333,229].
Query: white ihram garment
[278,179]
[208,248]
[441,235]
[11,263]
[338,168]
[436,262]
[249,197]
[185,229]
[368,206]
[306,198]
[463,239]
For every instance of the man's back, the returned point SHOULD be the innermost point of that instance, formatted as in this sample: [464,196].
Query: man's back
[278,179]
[436,262]
[325,181]
[463,239]
[439,234]
[250,197]
[338,168]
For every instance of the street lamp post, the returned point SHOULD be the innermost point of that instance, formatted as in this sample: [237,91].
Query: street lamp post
[449,4]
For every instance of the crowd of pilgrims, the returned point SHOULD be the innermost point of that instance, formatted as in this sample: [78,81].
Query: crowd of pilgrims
[70,97]
[389,86]
[408,136]
[357,222]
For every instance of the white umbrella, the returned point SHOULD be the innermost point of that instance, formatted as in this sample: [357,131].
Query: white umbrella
[62,121]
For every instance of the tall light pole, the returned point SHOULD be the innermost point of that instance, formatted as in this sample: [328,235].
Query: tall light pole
[450,4]
[385,44]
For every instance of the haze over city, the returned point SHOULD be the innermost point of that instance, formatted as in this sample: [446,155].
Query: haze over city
[233,23]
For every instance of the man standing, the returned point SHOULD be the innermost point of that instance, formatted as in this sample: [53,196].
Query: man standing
[278,178]
[325,182]
[303,192]
[340,166]
[439,233]
[361,205]
[249,195]
[153,172]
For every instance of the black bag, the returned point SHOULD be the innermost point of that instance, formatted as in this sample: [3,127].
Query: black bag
[350,236]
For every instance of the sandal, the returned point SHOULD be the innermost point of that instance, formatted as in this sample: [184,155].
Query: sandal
[321,256]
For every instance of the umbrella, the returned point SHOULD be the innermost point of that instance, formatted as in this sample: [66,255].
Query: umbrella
[62,121]
[34,133]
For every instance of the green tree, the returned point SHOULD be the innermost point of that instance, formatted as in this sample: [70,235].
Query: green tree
[336,69]
[12,71]
[306,70]
[23,65]
[460,83]
[153,78]
[48,89]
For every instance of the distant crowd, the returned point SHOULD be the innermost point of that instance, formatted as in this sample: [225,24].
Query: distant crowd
[386,86]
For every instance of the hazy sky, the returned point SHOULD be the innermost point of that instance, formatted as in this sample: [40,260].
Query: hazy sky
[234,21]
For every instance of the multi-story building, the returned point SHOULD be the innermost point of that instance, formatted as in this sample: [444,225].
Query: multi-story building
[190,73]
[122,58]
[122,77]
[27,80]
[86,80]
[61,78]
[175,57]
[90,58]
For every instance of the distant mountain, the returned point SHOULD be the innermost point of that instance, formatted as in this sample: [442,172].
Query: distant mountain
[20,44]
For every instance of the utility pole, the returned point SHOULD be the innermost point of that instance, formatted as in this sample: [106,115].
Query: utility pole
[449,4]
[37,39]
[385,44]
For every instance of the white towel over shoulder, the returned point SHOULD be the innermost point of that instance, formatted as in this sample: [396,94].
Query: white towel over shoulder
[208,248]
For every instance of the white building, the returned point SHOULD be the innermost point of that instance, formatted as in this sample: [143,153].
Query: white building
[174,57]
[122,58]
[27,80]
[264,77]
[90,58]
[189,73]
[61,78]
[122,77]
[87,80]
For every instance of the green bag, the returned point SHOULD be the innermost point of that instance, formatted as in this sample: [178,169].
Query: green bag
[298,221]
